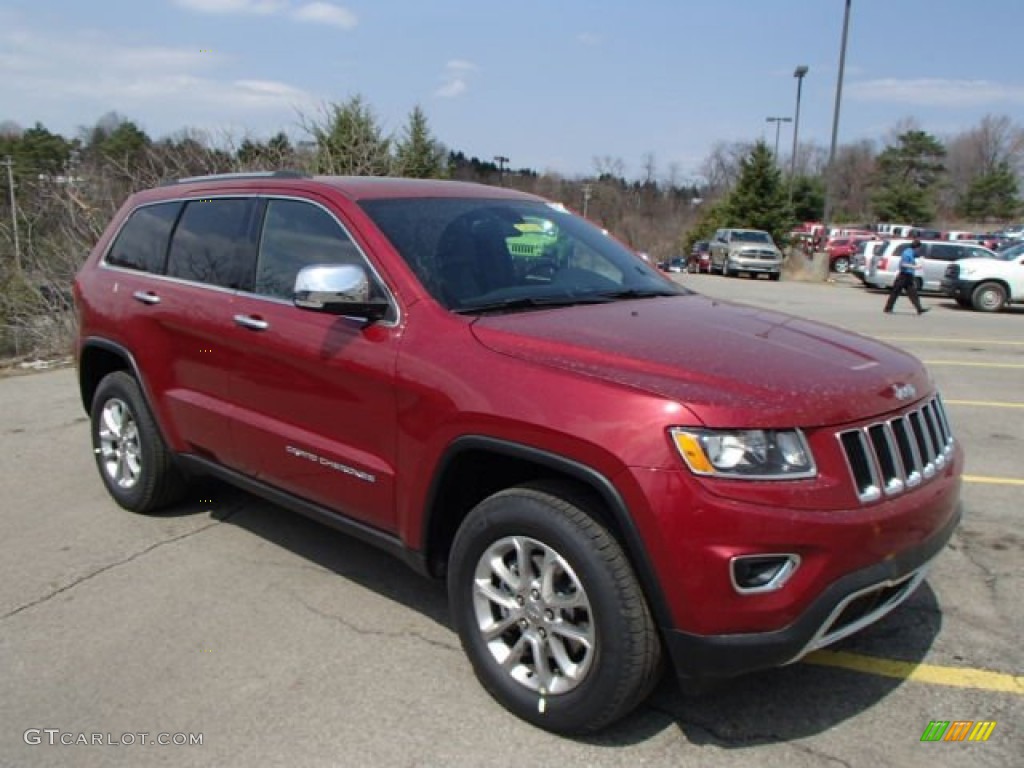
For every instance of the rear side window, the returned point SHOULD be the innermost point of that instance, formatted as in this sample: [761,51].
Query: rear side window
[943,252]
[213,243]
[297,235]
[142,242]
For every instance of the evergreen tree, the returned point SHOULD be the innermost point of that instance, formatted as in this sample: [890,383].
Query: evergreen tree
[759,199]
[350,141]
[907,177]
[418,154]
[992,195]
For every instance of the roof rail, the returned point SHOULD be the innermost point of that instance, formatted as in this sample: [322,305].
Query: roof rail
[239,176]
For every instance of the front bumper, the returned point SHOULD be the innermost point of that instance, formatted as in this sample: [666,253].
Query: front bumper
[844,607]
[958,289]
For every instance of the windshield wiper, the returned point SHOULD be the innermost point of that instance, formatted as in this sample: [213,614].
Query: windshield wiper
[531,302]
[636,293]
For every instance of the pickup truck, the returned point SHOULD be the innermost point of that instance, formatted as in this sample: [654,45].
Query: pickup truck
[987,284]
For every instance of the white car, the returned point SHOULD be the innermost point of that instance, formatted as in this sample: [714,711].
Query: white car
[987,285]
[932,260]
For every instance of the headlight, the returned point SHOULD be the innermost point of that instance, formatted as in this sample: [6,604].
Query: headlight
[746,454]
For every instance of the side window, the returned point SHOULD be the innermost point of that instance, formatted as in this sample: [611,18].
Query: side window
[973,252]
[296,235]
[940,252]
[213,243]
[142,242]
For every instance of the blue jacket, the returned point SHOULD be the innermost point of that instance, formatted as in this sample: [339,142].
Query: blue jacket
[908,261]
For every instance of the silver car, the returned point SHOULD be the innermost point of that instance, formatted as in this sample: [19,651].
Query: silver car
[932,260]
[745,250]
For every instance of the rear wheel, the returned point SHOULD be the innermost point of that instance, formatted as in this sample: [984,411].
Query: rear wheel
[989,297]
[841,265]
[133,461]
[549,611]
[775,275]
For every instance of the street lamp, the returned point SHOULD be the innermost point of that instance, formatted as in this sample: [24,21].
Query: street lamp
[827,215]
[799,75]
[778,124]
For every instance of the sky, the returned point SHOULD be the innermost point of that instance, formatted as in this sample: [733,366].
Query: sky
[550,84]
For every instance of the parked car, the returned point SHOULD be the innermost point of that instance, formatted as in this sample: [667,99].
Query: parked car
[862,256]
[376,354]
[677,264]
[734,251]
[840,251]
[934,257]
[987,285]
[700,257]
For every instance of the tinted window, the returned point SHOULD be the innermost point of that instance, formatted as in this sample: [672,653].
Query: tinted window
[942,252]
[213,243]
[142,242]
[297,235]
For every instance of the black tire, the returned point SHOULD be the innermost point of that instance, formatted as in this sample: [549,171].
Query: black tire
[133,461]
[841,265]
[604,681]
[989,297]
[775,275]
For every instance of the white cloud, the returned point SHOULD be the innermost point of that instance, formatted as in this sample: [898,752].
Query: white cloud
[326,13]
[316,12]
[258,7]
[456,78]
[926,92]
[58,79]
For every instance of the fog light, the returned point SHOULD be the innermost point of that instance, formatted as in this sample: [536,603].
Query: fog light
[762,573]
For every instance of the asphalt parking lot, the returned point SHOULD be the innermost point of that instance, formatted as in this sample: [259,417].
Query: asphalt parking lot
[279,642]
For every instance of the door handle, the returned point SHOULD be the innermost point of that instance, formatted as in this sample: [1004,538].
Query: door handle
[146,297]
[252,323]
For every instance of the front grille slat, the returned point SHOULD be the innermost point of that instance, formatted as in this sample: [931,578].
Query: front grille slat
[889,457]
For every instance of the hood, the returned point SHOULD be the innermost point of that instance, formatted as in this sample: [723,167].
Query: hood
[731,365]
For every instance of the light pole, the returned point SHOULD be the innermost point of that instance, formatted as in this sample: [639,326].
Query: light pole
[778,124]
[827,215]
[799,75]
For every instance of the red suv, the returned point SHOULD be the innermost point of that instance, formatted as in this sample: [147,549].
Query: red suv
[376,354]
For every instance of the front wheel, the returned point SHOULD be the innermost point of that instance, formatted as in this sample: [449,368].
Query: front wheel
[133,461]
[549,611]
[989,297]
[841,265]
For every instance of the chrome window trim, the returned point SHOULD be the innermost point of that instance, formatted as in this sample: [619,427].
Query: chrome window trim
[250,294]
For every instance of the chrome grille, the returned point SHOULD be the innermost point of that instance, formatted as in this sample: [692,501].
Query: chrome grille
[889,457]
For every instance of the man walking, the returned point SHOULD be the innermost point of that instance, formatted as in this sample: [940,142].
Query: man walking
[905,279]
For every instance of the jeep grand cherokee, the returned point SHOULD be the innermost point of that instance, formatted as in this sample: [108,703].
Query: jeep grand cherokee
[601,498]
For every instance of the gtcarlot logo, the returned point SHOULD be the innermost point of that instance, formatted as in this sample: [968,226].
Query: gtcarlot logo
[57,737]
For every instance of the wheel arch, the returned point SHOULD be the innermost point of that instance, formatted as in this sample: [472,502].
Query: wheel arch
[99,358]
[475,466]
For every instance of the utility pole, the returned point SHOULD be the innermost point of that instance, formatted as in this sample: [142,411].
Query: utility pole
[501,160]
[588,190]
[14,214]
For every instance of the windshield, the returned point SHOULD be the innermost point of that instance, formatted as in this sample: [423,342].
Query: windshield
[476,255]
[752,237]
[1011,253]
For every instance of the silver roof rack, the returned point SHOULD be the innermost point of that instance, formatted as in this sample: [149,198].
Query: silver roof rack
[240,176]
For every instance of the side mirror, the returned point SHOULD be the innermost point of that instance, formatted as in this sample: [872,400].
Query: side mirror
[337,289]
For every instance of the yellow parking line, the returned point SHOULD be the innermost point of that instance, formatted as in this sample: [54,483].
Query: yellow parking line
[991,480]
[973,364]
[936,340]
[932,674]
[983,403]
